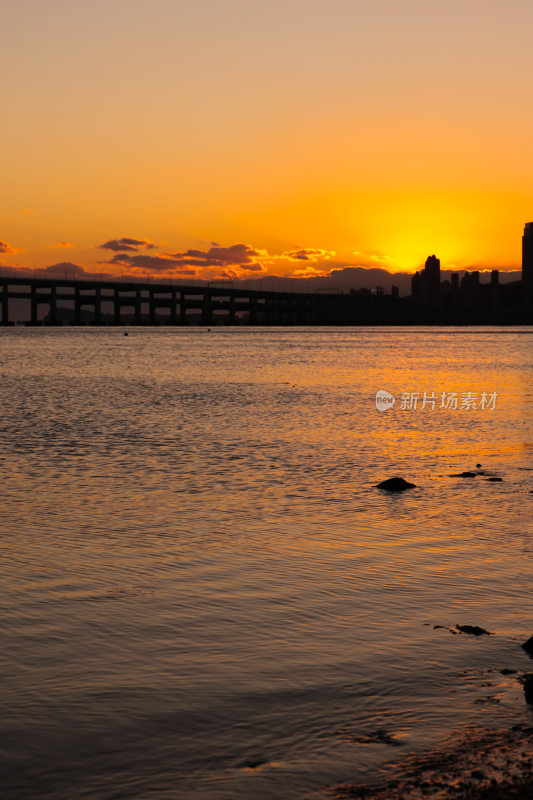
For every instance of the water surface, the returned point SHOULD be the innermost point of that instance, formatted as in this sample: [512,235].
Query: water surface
[203,593]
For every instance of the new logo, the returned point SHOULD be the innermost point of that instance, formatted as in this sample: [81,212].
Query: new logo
[384,400]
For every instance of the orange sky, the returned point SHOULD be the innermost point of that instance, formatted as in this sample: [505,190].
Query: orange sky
[233,138]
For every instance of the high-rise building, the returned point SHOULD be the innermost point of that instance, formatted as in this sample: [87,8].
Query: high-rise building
[425,285]
[527,264]
[432,280]
[494,289]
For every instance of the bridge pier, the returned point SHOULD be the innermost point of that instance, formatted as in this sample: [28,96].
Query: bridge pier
[252,310]
[116,306]
[77,306]
[231,311]
[98,306]
[5,305]
[53,305]
[207,311]
[33,302]
[173,308]
[276,310]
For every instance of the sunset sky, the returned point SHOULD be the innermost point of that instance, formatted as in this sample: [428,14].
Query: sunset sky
[206,138]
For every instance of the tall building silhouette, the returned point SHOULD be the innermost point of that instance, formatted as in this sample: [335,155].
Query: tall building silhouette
[494,289]
[426,283]
[527,264]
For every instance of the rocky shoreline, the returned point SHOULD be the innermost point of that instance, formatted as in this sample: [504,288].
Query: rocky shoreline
[489,765]
[478,765]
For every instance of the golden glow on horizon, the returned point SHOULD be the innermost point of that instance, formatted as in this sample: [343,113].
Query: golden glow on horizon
[348,128]
[460,229]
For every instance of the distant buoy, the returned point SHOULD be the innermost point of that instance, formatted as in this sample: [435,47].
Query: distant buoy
[125,334]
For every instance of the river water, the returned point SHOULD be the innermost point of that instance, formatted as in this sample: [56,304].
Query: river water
[203,594]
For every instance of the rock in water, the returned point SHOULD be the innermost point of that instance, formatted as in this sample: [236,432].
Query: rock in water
[528,689]
[464,475]
[474,630]
[395,485]
[528,646]
[494,480]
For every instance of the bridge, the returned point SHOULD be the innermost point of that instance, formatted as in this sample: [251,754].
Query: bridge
[56,301]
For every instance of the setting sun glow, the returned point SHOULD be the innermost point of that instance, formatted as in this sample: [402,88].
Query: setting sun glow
[377,133]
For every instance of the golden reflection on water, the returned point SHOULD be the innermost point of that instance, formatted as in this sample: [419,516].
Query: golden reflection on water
[191,531]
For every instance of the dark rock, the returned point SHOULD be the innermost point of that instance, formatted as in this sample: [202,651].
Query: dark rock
[395,485]
[528,646]
[478,466]
[494,480]
[260,762]
[528,689]
[508,671]
[463,475]
[375,737]
[474,630]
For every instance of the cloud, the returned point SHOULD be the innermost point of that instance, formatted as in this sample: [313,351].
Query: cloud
[60,244]
[370,259]
[64,267]
[253,267]
[309,272]
[127,245]
[186,262]
[6,248]
[238,254]
[234,261]
[308,254]
[157,263]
